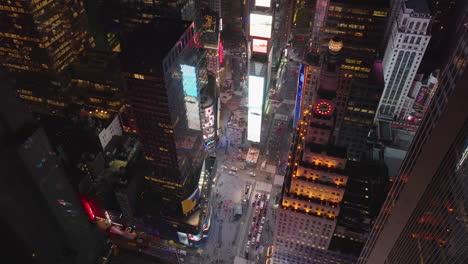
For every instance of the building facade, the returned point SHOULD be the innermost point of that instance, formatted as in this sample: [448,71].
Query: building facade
[405,49]
[316,179]
[422,217]
[163,91]
[39,40]
[45,222]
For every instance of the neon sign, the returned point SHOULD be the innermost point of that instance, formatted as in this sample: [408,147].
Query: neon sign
[323,108]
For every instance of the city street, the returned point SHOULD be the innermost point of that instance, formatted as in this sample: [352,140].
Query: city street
[229,234]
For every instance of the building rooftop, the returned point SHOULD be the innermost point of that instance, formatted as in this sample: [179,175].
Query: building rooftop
[147,46]
[419,6]
[370,3]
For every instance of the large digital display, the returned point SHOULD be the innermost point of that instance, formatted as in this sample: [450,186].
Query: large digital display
[193,112]
[254,127]
[264,3]
[189,82]
[300,82]
[260,25]
[260,45]
[254,118]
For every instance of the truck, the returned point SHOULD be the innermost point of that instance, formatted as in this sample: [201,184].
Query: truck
[237,211]
[246,193]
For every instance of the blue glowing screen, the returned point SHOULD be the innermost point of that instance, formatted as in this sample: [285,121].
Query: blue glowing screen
[299,94]
[189,82]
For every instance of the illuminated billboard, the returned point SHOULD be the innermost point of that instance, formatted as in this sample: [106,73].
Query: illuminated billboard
[259,45]
[254,118]
[260,25]
[193,112]
[189,82]
[264,3]
[300,82]
[254,127]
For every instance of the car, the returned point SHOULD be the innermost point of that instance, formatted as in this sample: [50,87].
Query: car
[263,220]
[233,169]
[248,243]
[251,174]
[224,167]
[258,238]
[257,209]
[260,229]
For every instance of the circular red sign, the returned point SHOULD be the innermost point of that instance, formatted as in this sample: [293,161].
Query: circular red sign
[323,108]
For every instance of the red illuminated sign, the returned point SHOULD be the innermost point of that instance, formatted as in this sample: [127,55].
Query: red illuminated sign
[220,50]
[323,108]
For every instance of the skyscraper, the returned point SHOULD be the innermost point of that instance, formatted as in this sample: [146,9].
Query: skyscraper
[423,217]
[405,49]
[316,178]
[38,41]
[42,36]
[358,108]
[42,215]
[359,27]
[164,79]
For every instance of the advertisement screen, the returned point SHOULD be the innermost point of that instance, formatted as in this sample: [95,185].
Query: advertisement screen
[189,82]
[260,25]
[300,82]
[264,3]
[259,45]
[254,118]
[254,127]
[193,112]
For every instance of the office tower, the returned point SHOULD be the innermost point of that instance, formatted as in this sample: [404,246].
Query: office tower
[164,75]
[358,112]
[97,84]
[442,12]
[365,193]
[405,50]
[422,219]
[129,15]
[315,180]
[358,28]
[39,40]
[43,218]
[360,25]
[42,36]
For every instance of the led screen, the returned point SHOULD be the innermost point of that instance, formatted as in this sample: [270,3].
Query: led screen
[255,92]
[265,3]
[189,82]
[254,118]
[300,81]
[259,45]
[254,127]
[260,25]
[193,112]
